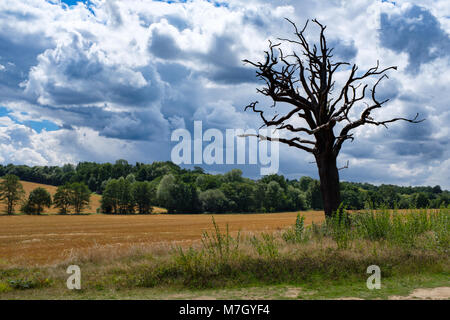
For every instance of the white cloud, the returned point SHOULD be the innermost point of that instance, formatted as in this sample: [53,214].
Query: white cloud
[118,81]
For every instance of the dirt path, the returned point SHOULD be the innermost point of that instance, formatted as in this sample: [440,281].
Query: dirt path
[440,293]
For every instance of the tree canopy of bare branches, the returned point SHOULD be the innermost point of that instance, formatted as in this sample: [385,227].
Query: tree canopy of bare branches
[304,79]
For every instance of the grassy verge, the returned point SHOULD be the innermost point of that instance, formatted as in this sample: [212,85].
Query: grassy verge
[395,286]
[318,261]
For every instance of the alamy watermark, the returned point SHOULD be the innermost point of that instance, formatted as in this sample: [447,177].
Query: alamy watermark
[74,281]
[231,149]
[374,281]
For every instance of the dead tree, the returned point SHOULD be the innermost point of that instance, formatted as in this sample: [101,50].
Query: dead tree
[305,82]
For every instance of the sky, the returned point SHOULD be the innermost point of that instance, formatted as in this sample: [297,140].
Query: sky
[102,80]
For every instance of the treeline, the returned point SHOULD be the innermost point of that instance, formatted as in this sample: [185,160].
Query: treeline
[68,197]
[128,188]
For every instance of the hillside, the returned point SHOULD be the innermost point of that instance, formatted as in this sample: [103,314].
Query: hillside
[94,204]
[30,186]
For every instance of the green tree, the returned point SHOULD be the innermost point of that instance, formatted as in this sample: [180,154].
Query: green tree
[259,192]
[213,200]
[11,191]
[184,198]
[118,196]
[126,201]
[274,200]
[351,196]
[305,182]
[81,196]
[235,175]
[240,196]
[164,193]
[421,200]
[110,197]
[37,200]
[296,199]
[314,196]
[63,198]
[208,181]
[143,196]
[275,177]
[437,189]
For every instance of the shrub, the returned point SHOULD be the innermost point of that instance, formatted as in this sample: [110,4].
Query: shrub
[220,246]
[266,246]
[296,233]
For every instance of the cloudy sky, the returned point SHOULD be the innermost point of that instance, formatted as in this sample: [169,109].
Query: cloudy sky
[102,80]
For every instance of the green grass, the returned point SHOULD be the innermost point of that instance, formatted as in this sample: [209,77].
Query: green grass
[401,286]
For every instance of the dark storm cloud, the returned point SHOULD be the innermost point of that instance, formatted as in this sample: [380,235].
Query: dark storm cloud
[416,32]
[226,66]
[128,125]
[18,53]
[223,64]
[360,150]
[427,150]
[164,46]
[79,75]
[232,75]
[174,73]
[343,51]
[177,21]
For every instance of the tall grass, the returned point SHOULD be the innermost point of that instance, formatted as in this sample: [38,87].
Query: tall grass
[220,246]
[342,247]
[403,229]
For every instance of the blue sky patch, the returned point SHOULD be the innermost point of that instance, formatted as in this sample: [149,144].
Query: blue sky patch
[3,111]
[41,125]
[38,126]
[74,2]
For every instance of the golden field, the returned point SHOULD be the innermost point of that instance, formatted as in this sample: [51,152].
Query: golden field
[49,239]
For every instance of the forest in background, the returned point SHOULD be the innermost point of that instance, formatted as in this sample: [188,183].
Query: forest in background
[194,191]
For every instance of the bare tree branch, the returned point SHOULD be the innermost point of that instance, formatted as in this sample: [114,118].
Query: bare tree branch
[294,142]
[344,167]
[304,80]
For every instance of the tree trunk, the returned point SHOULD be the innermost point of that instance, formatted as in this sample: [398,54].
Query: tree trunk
[10,207]
[329,182]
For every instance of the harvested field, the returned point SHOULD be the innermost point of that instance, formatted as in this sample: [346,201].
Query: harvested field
[42,240]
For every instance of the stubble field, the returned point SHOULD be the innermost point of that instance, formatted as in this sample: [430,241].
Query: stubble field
[45,240]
